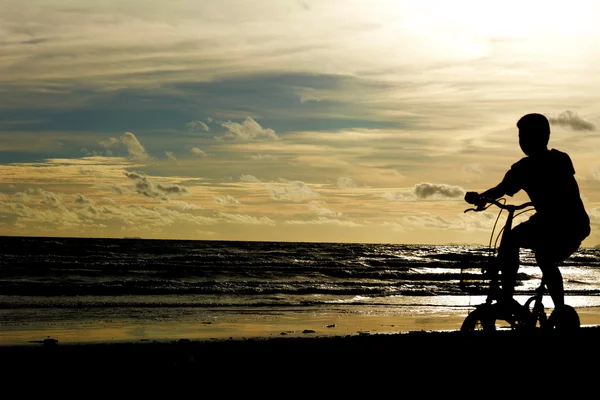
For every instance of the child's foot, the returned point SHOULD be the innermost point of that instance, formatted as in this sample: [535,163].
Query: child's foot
[508,308]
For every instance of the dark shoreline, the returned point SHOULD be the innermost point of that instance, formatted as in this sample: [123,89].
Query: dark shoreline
[413,348]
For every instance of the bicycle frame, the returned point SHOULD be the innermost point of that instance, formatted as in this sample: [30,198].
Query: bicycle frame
[487,313]
[494,272]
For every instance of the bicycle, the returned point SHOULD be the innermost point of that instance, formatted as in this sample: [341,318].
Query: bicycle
[531,314]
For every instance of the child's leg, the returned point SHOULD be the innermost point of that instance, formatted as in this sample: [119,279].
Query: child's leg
[523,235]
[554,281]
[508,259]
[549,256]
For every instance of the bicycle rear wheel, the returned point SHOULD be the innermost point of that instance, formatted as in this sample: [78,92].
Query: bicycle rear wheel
[564,319]
[490,317]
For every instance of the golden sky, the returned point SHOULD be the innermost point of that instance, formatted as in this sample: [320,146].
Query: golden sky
[294,120]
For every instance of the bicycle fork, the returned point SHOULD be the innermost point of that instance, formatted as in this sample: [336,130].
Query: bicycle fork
[496,277]
[538,311]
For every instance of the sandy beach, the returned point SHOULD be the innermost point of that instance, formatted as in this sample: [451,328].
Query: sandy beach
[234,326]
[411,340]
[336,365]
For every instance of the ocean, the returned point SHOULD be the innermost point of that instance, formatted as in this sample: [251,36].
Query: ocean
[122,289]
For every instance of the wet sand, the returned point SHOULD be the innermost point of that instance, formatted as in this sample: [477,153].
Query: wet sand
[248,326]
[407,350]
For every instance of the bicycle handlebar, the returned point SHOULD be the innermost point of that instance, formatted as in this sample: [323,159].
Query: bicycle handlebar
[509,207]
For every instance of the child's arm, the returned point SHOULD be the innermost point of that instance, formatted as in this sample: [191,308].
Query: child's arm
[509,185]
[493,193]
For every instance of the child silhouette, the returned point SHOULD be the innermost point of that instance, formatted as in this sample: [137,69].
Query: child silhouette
[560,223]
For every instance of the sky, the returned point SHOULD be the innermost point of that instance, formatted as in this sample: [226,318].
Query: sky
[285,120]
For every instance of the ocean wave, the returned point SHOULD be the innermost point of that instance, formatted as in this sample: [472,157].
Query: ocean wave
[68,267]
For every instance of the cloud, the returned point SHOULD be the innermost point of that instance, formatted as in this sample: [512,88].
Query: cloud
[309,95]
[110,143]
[474,169]
[398,196]
[294,191]
[427,191]
[91,171]
[427,221]
[198,152]
[324,221]
[320,208]
[134,147]
[345,183]
[182,205]
[156,190]
[226,200]
[88,153]
[197,126]
[569,119]
[40,218]
[437,191]
[248,130]
[263,157]
[246,219]
[37,210]
[395,226]
[139,218]
[81,199]
[170,155]
[482,221]
[51,198]
[119,189]
[205,233]
[284,189]
[36,197]
[39,196]
[135,150]
[249,178]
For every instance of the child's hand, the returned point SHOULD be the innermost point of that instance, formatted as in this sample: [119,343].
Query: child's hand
[473,198]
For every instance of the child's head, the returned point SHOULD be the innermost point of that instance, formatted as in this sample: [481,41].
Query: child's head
[534,133]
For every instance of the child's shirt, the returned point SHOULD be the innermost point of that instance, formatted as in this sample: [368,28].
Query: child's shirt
[549,181]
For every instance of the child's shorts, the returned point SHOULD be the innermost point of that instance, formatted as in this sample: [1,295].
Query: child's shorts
[551,241]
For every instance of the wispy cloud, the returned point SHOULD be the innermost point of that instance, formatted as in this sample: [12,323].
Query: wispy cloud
[248,130]
[81,199]
[249,178]
[571,120]
[144,186]
[246,219]
[135,150]
[197,126]
[291,190]
[226,200]
[345,183]
[476,169]
[261,157]
[198,152]
[321,208]
[324,221]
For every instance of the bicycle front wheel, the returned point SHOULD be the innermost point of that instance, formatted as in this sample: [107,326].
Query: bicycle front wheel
[480,319]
